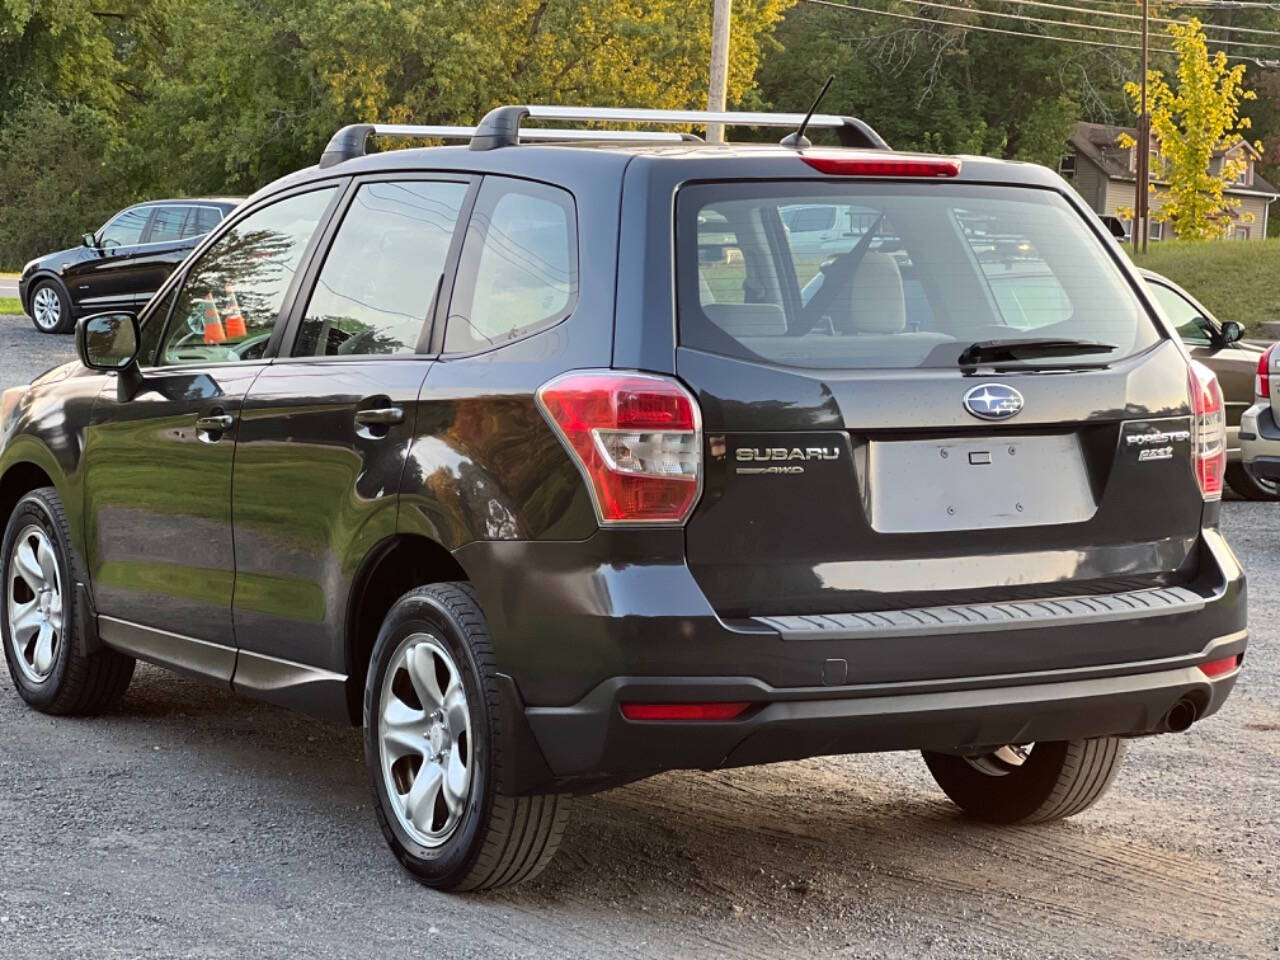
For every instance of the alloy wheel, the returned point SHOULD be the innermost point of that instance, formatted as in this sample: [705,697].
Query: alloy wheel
[34,604]
[424,734]
[46,308]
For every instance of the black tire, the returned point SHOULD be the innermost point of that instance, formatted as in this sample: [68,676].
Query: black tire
[499,840]
[77,682]
[65,322]
[1246,485]
[1058,780]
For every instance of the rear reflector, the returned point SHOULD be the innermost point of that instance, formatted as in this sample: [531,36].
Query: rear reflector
[684,711]
[1208,430]
[636,438]
[1216,668]
[852,165]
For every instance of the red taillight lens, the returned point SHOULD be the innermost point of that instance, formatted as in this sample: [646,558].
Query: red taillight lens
[1262,381]
[889,165]
[684,711]
[1216,668]
[1208,430]
[637,439]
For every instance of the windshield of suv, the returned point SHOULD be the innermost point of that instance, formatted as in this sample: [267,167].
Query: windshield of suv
[878,275]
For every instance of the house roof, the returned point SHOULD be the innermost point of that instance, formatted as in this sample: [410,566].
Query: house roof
[1093,139]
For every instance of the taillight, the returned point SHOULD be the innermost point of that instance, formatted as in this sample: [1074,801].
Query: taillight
[637,439]
[1208,430]
[884,165]
[1262,381]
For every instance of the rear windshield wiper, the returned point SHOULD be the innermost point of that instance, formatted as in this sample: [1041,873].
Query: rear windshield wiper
[998,351]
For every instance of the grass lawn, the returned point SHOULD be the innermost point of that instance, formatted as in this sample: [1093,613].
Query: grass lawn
[10,305]
[1236,280]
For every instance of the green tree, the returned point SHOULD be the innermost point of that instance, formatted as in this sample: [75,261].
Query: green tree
[1194,123]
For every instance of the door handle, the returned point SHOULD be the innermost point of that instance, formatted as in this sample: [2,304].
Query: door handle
[216,423]
[380,417]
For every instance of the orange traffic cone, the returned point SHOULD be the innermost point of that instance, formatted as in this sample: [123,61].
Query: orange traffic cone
[213,332]
[236,329]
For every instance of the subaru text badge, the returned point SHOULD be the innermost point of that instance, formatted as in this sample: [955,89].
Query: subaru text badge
[993,401]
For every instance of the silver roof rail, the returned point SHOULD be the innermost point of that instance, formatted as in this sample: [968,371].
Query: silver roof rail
[501,126]
[349,142]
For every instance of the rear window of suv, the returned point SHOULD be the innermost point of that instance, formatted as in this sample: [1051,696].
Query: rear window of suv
[900,275]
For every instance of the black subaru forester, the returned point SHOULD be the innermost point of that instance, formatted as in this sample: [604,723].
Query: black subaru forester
[567,457]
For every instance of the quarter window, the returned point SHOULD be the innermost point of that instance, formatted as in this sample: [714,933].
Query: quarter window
[126,229]
[519,267]
[380,276]
[233,294]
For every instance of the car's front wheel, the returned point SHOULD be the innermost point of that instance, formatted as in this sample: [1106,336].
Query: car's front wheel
[51,308]
[53,667]
[1029,783]
[431,720]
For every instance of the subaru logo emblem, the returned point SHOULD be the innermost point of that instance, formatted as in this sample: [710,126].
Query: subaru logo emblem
[993,401]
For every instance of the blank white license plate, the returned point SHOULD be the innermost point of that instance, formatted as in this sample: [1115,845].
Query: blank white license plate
[917,486]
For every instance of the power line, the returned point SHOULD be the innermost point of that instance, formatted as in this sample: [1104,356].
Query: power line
[848,7]
[1064,23]
[1135,16]
[973,26]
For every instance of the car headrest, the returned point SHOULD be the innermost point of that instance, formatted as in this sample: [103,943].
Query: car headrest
[878,303]
[740,320]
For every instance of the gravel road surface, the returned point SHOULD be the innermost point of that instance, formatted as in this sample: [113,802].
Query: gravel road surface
[191,823]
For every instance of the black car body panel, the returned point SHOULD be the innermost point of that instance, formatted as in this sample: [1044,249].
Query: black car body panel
[123,276]
[250,557]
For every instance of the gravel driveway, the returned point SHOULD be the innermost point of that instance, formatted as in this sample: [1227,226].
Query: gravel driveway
[192,823]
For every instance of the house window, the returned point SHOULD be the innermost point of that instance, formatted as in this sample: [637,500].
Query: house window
[1067,167]
[1240,233]
[1155,230]
[1245,177]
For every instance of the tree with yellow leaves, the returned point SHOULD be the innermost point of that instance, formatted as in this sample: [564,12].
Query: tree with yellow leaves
[1193,123]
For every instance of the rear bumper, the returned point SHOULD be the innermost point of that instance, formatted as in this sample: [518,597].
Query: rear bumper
[593,741]
[1260,442]
[582,627]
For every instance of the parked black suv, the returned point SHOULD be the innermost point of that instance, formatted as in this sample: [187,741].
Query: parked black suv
[120,266]
[554,467]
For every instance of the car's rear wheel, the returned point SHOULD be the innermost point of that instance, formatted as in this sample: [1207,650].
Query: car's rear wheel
[51,664]
[1029,783]
[50,308]
[1250,487]
[432,713]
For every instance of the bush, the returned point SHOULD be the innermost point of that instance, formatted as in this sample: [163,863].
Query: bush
[55,181]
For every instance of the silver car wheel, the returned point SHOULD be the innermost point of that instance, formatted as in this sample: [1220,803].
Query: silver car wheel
[424,732]
[33,604]
[46,308]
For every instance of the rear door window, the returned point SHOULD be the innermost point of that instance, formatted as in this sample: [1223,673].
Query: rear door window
[200,220]
[519,267]
[380,276]
[166,224]
[908,275]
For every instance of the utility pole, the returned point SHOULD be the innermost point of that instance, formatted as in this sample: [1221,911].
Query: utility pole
[1142,212]
[719,66]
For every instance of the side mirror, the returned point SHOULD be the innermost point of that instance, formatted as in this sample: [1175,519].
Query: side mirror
[108,341]
[1231,332]
[89,240]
